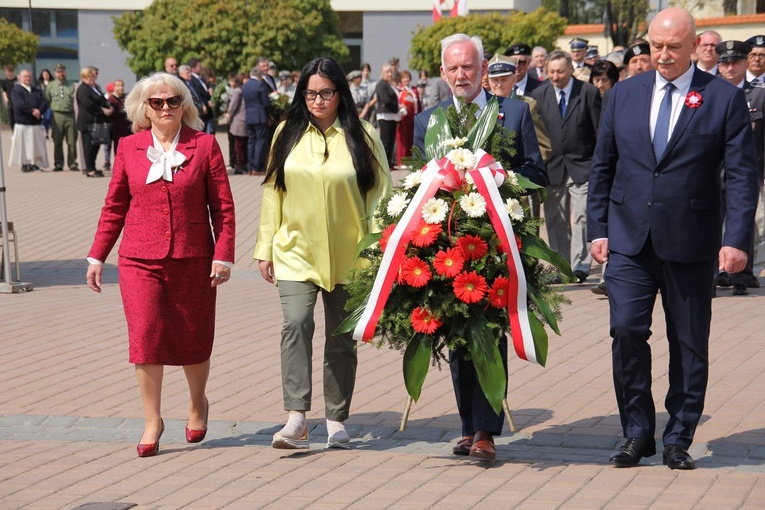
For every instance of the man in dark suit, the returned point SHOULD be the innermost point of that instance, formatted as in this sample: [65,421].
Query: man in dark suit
[198,85]
[520,55]
[732,67]
[257,106]
[570,109]
[462,66]
[654,213]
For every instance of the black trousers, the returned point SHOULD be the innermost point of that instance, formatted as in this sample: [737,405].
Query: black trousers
[89,151]
[475,411]
[686,295]
[388,138]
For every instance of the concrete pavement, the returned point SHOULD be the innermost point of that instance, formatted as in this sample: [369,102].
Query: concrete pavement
[70,413]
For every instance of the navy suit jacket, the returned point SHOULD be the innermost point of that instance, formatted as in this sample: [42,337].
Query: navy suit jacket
[572,138]
[515,117]
[256,102]
[675,200]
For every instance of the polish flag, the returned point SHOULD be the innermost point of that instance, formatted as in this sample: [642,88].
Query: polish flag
[460,8]
[437,10]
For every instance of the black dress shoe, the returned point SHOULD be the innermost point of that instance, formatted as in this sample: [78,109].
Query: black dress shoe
[581,276]
[463,446]
[723,280]
[632,450]
[600,289]
[58,169]
[677,457]
[739,289]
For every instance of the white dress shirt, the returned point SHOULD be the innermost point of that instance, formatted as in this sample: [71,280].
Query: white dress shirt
[682,85]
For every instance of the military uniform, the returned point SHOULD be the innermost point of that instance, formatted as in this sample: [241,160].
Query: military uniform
[60,97]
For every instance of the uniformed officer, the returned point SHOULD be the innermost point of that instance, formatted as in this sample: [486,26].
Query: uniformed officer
[637,59]
[60,97]
[578,54]
[755,74]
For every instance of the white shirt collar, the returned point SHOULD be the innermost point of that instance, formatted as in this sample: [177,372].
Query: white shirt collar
[566,89]
[480,100]
[521,84]
[164,164]
[682,82]
[750,77]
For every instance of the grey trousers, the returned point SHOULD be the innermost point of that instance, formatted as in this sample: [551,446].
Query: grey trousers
[566,219]
[298,301]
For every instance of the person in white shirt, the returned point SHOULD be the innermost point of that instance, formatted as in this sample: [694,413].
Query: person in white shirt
[705,51]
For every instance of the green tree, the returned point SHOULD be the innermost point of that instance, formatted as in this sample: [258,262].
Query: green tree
[229,35]
[16,45]
[624,20]
[497,32]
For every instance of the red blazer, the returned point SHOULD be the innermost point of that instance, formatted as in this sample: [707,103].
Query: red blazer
[168,219]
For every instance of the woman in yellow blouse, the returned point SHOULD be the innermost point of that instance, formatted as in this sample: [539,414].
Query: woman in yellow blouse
[326,173]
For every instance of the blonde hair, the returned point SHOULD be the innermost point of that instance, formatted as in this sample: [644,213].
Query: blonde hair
[135,102]
[88,72]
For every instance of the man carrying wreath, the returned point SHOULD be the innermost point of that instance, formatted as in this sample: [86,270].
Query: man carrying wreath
[462,67]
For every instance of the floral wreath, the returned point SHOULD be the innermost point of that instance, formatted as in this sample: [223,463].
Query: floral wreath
[457,264]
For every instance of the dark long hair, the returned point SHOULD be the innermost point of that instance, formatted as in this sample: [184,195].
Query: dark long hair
[607,68]
[360,143]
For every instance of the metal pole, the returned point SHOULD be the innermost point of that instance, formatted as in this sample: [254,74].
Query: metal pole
[7,286]
[31,31]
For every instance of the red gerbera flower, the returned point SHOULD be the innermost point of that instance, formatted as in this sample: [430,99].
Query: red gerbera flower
[386,235]
[473,247]
[423,321]
[415,272]
[426,234]
[469,287]
[449,262]
[499,291]
[518,242]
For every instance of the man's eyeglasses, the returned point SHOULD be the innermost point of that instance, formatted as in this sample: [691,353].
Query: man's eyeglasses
[756,56]
[325,94]
[521,62]
[157,103]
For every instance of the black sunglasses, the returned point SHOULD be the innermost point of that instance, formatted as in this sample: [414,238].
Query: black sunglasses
[157,103]
[325,94]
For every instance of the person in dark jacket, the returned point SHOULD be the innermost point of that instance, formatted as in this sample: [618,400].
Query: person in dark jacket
[28,141]
[92,108]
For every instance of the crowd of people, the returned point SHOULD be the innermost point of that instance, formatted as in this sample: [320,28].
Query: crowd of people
[644,154]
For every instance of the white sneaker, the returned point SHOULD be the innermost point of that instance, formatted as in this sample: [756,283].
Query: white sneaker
[339,439]
[286,441]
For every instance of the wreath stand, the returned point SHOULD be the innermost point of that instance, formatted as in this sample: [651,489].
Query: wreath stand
[408,407]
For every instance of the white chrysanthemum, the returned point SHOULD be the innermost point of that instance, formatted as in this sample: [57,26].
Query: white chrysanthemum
[469,180]
[455,142]
[434,211]
[512,178]
[462,159]
[514,209]
[473,204]
[397,204]
[413,179]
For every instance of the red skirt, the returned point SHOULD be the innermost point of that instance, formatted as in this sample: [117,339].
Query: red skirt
[170,309]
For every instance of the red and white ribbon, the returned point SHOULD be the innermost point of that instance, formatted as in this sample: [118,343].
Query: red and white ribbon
[487,177]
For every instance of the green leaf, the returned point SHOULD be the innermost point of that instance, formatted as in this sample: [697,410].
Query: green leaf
[525,183]
[544,307]
[484,350]
[416,363]
[350,322]
[533,246]
[438,131]
[367,241]
[485,124]
[539,335]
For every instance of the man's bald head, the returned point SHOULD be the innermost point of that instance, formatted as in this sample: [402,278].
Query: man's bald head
[673,39]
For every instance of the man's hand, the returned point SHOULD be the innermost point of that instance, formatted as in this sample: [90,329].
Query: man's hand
[732,260]
[599,250]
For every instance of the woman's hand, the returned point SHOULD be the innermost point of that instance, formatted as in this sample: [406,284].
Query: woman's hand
[93,277]
[220,274]
[266,270]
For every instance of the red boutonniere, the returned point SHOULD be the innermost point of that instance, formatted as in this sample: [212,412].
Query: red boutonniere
[693,99]
[500,116]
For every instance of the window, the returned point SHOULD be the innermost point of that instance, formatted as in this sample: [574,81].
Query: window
[66,22]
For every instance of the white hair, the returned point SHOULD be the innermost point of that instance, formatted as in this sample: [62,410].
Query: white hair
[447,42]
[539,49]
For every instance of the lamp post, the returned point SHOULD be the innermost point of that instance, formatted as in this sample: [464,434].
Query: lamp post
[31,31]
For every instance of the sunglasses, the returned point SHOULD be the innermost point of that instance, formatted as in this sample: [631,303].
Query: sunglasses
[157,103]
[325,94]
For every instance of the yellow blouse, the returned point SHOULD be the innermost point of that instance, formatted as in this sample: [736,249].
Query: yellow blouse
[310,232]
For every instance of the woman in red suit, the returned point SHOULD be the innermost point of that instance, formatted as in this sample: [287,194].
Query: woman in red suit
[169,185]
[409,100]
